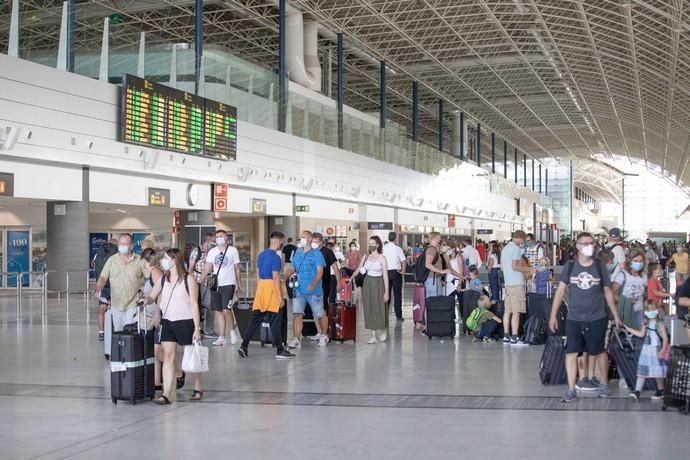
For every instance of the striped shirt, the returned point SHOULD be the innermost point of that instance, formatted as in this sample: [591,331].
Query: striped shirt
[125,279]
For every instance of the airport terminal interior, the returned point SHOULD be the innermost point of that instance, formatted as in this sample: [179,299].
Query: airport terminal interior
[346,229]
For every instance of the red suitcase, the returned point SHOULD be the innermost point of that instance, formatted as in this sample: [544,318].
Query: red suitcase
[344,326]
[418,304]
[345,290]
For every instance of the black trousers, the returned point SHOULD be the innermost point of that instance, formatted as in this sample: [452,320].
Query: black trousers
[273,319]
[395,285]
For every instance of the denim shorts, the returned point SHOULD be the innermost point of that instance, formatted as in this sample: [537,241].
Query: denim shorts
[299,304]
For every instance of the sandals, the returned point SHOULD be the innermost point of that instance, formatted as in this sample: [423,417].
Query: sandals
[196,395]
[180,381]
[162,401]
[158,388]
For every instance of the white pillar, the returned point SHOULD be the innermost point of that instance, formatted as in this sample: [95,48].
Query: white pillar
[62,44]
[250,90]
[105,45]
[173,66]
[142,50]
[13,46]
[228,84]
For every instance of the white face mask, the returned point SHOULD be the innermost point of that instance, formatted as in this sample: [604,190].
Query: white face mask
[314,245]
[166,264]
[302,242]
[588,251]
[220,241]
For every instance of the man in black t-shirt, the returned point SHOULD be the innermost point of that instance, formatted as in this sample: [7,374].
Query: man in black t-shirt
[682,304]
[288,250]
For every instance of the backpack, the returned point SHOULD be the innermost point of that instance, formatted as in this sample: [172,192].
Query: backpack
[420,272]
[473,320]
[104,253]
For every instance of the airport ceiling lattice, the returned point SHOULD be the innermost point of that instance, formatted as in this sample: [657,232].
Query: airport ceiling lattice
[556,78]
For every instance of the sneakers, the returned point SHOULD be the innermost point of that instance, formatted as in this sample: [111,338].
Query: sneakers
[595,381]
[518,342]
[586,385]
[603,391]
[323,340]
[506,340]
[234,336]
[488,340]
[569,396]
[284,354]
[635,395]
[243,352]
[220,342]
[295,343]
[315,338]
[476,339]
[101,336]
[658,395]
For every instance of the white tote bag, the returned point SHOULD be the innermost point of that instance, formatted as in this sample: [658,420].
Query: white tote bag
[195,359]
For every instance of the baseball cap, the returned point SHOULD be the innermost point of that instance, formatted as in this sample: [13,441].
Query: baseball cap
[615,233]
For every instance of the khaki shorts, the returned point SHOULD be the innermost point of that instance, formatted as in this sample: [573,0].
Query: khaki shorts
[515,299]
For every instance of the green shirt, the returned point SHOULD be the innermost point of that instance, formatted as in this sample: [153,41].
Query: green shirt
[126,278]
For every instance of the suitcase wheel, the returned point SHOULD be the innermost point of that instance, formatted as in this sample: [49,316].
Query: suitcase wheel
[114,401]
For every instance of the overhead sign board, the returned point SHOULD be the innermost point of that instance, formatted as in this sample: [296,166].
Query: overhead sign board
[159,197]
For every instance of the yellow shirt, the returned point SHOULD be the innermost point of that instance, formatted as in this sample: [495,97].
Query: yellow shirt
[126,278]
[681,261]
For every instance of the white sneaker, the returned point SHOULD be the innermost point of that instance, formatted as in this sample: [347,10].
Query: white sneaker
[220,342]
[372,341]
[294,343]
[315,338]
[234,336]
[383,336]
[323,340]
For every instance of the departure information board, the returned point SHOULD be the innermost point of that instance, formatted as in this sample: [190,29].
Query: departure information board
[159,116]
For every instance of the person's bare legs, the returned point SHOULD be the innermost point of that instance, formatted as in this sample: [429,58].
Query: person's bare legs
[158,364]
[515,323]
[101,316]
[229,319]
[220,322]
[603,364]
[323,321]
[169,381]
[299,324]
[571,369]
[506,323]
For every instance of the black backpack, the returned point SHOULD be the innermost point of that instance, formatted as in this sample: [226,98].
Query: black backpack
[104,253]
[420,272]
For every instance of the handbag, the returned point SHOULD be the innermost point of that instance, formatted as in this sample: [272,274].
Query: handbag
[212,279]
[359,279]
[195,358]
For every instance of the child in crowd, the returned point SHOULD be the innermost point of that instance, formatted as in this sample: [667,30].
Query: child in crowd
[482,321]
[474,284]
[655,291]
[543,276]
[652,363]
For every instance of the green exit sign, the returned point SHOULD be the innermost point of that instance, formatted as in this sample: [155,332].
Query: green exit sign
[303,208]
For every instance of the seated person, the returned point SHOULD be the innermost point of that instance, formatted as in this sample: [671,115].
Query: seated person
[482,321]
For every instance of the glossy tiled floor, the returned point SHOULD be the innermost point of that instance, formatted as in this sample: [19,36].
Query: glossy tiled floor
[408,398]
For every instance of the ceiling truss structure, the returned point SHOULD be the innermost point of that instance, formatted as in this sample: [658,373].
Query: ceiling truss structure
[572,79]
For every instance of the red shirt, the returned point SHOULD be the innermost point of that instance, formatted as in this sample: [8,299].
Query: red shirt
[654,285]
[481,249]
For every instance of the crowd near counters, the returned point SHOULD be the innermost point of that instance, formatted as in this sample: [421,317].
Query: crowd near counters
[590,289]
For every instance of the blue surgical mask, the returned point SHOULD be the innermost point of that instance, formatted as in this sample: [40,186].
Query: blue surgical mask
[651,314]
[529,244]
[123,249]
[637,266]
[220,241]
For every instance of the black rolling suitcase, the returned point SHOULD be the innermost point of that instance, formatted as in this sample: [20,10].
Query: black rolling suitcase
[265,334]
[625,350]
[131,366]
[469,302]
[552,366]
[677,393]
[440,316]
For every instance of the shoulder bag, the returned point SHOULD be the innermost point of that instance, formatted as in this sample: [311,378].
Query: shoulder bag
[212,279]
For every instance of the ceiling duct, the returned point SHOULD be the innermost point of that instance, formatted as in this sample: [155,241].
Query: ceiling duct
[301,47]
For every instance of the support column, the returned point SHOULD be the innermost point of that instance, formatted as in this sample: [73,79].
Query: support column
[479,144]
[13,44]
[493,153]
[458,128]
[68,242]
[440,124]
[463,136]
[533,188]
[546,182]
[505,160]
[524,170]
[198,43]
[382,95]
[415,111]
[539,177]
[282,77]
[516,165]
[288,225]
[340,94]
[195,226]
[71,33]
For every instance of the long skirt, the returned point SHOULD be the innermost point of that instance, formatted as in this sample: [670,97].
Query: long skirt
[375,312]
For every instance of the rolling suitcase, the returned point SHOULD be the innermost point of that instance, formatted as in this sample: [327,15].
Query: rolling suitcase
[677,392]
[107,333]
[535,330]
[625,350]
[418,305]
[678,333]
[265,334]
[345,289]
[344,322]
[552,365]
[469,302]
[242,309]
[131,366]
[440,316]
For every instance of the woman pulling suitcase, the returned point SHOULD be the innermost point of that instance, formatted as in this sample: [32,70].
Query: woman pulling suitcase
[177,318]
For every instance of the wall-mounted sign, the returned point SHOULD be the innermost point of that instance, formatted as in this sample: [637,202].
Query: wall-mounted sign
[302,208]
[60,210]
[258,206]
[380,225]
[159,197]
[485,231]
[6,184]
[220,197]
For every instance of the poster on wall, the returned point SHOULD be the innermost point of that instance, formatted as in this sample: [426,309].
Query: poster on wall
[96,242]
[18,255]
[138,239]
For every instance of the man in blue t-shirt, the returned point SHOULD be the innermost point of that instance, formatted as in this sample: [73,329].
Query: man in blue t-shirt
[268,299]
[305,274]
[514,272]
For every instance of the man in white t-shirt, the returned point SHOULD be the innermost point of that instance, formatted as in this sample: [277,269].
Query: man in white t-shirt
[397,262]
[470,255]
[224,262]
[616,247]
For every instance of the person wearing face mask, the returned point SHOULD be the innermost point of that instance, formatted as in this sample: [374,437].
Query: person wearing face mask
[533,250]
[650,253]
[125,274]
[224,262]
[352,258]
[436,266]
[152,276]
[680,261]
[652,364]
[543,276]
[308,267]
[375,293]
[514,272]
[104,253]
[397,263]
[328,282]
[615,245]
[629,287]
[588,286]
[178,320]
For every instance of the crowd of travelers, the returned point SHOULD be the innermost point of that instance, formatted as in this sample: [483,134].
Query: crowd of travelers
[604,281]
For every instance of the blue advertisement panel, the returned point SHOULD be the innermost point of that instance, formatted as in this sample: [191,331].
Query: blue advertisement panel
[96,242]
[18,255]
[138,239]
